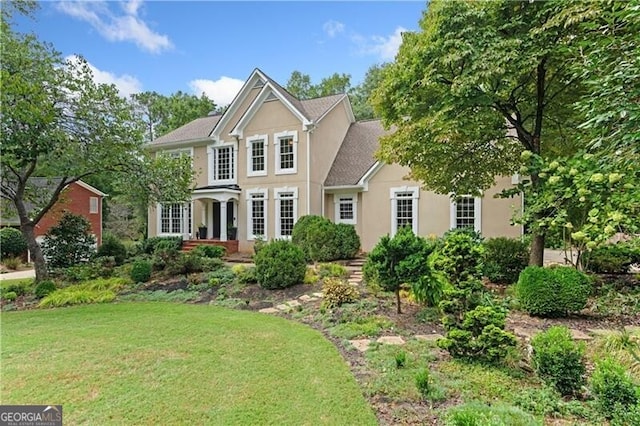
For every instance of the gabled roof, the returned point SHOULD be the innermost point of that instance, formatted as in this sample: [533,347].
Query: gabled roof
[200,128]
[316,108]
[356,154]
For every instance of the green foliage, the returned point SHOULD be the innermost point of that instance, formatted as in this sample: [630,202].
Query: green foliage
[348,241]
[613,387]
[179,296]
[552,291]
[362,326]
[558,360]
[613,258]
[76,295]
[150,245]
[323,241]
[20,287]
[44,288]
[460,255]
[9,296]
[424,382]
[401,359]
[280,264]
[245,274]
[141,271]
[480,336]
[69,242]
[12,263]
[479,414]
[112,246]
[222,276]
[504,259]
[12,243]
[300,86]
[336,292]
[209,251]
[332,270]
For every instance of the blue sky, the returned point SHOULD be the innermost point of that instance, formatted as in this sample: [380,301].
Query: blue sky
[212,47]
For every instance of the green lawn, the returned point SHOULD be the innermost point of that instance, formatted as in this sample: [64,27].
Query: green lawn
[135,363]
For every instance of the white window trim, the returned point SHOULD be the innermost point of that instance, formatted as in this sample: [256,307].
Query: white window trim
[94,205]
[276,195]
[249,143]
[354,202]
[210,163]
[178,151]
[477,212]
[276,142]
[184,233]
[265,194]
[394,211]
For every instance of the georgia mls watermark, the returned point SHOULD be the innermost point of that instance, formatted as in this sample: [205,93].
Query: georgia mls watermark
[30,415]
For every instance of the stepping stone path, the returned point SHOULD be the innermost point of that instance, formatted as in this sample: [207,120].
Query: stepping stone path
[391,340]
[362,345]
[429,337]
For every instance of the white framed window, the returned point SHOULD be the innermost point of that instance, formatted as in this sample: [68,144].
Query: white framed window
[286,144]
[257,155]
[174,219]
[179,152]
[466,213]
[93,205]
[222,164]
[346,208]
[257,213]
[404,208]
[286,211]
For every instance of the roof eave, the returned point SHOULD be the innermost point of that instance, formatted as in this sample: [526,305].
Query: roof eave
[177,144]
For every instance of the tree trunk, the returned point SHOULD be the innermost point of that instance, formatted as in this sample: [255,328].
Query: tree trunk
[398,300]
[536,256]
[36,252]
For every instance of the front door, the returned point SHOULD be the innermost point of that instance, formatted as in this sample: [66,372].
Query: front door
[216,218]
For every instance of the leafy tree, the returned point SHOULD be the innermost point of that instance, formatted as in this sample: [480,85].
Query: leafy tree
[58,123]
[480,83]
[300,86]
[360,95]
[69,242]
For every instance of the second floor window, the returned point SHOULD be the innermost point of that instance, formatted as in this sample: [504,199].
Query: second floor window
[223,163]
[257,155]
[286,152]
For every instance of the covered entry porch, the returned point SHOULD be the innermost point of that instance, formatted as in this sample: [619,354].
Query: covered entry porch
[218,219]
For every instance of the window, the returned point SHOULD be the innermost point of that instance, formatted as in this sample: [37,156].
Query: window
[346,208]
[465,212]
[257,213]
[180,152]
[174,217]
[222,164]
[257,155]
[286,152]
[93,205]
[404,208]
[286,211]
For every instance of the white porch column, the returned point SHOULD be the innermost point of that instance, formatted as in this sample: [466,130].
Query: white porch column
[203,214]
[209,222]
[223,220]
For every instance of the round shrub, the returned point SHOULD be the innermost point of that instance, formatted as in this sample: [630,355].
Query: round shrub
[558,360]
[504,259]
[9,296]
[113,247]
[280,264]
[44,288]
[12,243]
[613,387]
[322,240]
[299,234]
[552,292]
[336,292]
[348,241]
[140,271]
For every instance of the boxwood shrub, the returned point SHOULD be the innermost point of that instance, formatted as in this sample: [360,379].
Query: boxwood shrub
[140,271]
[280,264]
[504,259]
[323,241]
[612,258]
[613,387]
[552,292]
[12,243]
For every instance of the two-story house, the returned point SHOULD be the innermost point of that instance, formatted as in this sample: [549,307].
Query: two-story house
[272,158]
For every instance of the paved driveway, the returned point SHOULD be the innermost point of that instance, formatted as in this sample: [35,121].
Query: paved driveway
[30,273]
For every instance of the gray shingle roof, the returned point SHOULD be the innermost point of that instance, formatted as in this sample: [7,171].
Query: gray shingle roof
[356,154]
[316,108]
[199,128]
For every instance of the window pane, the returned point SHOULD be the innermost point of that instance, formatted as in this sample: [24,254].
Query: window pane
[465,212]
[176,218]
[257,156]
[286,214]
[286,153]
[171,218]
[257,214]
[346,209]
[404,212]
[223,163]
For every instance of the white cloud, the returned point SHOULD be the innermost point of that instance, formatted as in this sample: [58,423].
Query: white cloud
[118,27]
[333,28]
[221,91]
[385,47]
[125,83]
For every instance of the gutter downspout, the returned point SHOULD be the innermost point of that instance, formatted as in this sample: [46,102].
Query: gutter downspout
[309,129]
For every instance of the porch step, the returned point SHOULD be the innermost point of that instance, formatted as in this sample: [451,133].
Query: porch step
[231,246]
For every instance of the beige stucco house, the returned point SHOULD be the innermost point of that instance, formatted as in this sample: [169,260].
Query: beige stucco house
[272,158]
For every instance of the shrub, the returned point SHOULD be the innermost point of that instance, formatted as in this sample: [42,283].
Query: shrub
[401,359]
[300,232]
[149,245]
[332,270]
[18,287]
[478,414]
[76,295]
[9,296]
[337,292]
[552,291]
[209,251]
[222,276]
[209,264]
[423,382]
[12,243]
[245,274]
[140,271]
[12,263]
[612,258]
[613,387]
[280,264]
[69,242]
[460,255]
[558,360]
[504,259]
[348,241]
[323,241]
[113,247]
[44,288]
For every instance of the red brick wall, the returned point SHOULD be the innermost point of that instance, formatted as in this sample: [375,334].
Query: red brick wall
[74,199]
